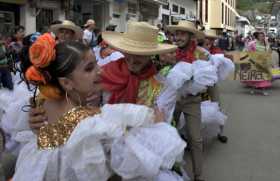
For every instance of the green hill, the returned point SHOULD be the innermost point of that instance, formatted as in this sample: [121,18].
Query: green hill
[263,6]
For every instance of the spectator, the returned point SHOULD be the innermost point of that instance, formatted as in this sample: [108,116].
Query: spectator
[89,36]
[240,42]
[66,31]
[5,74]
[16,45]
[161,34]
[224,42]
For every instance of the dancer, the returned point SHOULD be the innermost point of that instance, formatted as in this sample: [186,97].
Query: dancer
[78,139]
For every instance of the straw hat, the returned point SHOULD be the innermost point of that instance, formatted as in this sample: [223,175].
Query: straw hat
[140,39]
[211,34]
[89,22]
[187,26]
[66,24]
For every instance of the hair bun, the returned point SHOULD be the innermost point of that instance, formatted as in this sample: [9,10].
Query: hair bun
[42,51]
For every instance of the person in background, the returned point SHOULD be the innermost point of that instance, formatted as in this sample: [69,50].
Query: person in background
[259,44]
[161,35]
[223,42]
[5,74]
[170,36]
[16,45]
[89,36]
[103,53]
[66,31]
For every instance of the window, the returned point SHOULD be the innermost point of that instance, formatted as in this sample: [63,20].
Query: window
[182,11]
[165,19]
[200,11]
[175,8]
[206,10]
[226,15]
[44,18]
[132,8]
[223,13]
[165,6]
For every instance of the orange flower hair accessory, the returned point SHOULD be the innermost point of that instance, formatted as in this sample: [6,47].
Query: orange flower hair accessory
[35,76]
[42,52]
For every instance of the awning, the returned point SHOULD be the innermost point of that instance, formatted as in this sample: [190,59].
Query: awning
[243,19]
[13,1]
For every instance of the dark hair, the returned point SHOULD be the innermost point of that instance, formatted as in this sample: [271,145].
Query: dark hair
[99,39]
[68,56]
[18,28]
[256,34]
[24,57]
[200,42]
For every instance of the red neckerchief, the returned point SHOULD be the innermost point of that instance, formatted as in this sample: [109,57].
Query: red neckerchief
[216,50]
[123,86]
[186,55]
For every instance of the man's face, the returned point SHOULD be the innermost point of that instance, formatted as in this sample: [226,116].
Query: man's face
[20,33]
[261,37]
[182,38]
[136,63]
[66,35]
[208,43]
[92,26]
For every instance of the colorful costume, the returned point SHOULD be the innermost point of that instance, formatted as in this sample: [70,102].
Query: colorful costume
[92,144]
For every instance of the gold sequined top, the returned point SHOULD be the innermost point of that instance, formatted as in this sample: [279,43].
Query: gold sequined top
[56,134]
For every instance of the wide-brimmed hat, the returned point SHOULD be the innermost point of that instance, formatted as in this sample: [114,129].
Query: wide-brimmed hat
[187,26]
[66,24]
[89,22]
[211,34]
[140,39]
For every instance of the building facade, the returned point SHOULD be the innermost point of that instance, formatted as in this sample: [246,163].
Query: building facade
[176,10]
[117,12]
[217,14]
[33,15]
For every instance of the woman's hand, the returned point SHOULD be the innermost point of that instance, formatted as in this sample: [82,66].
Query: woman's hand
[37,119]
[159,115]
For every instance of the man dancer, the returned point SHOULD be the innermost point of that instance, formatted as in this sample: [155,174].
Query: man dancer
[189,104]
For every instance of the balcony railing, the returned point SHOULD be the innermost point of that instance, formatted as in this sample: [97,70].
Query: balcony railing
[163,2]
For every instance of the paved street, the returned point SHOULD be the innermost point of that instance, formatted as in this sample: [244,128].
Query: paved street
[253,151]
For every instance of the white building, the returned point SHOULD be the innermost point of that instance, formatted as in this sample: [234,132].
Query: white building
[117,12]
[243,26]
[36,15]
[33,15]
[177,10]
